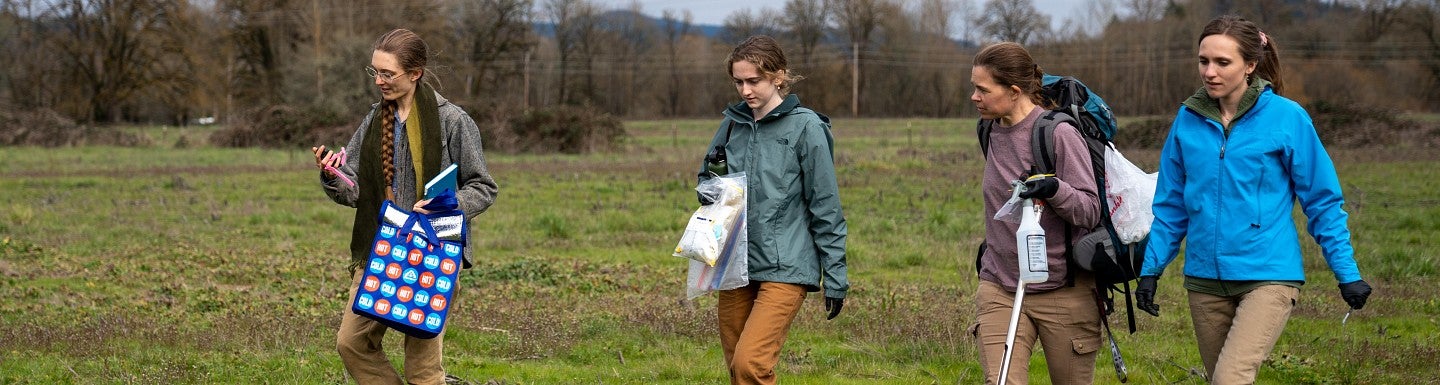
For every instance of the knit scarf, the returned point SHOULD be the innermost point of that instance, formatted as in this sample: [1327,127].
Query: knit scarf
[424,150]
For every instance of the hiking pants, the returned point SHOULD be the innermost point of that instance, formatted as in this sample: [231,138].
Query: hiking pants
[753,323]
[359,341]
[1066,321]
[1236,333]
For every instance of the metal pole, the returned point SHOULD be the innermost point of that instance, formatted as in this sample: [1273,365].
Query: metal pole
[1010,332]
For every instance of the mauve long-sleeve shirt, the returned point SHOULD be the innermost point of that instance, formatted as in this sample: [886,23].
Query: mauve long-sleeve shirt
[1077,201]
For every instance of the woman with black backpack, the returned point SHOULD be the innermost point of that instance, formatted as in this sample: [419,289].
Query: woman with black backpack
[1060,312]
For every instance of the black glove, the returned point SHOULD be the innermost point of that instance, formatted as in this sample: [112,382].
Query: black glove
[1145,295]
[704,199]
[833,306]
[1355,293]
[1043,188]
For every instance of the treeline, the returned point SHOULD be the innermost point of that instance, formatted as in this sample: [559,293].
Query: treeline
[173,62]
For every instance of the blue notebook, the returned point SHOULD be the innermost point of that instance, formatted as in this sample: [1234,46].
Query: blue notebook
[445,180]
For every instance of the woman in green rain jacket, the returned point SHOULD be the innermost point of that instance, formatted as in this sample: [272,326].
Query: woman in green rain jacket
[796,228]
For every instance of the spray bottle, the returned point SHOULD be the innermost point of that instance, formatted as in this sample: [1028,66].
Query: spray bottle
[1030,249]
[1030,244]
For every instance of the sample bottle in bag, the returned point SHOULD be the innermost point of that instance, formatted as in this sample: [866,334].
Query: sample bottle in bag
[1030,244]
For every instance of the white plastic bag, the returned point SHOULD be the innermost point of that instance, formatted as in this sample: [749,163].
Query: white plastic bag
[711,225]
[731,270]
[716,239]
[1130,191]
[1008,212]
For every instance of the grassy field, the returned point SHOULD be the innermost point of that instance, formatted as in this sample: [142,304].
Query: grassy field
[190,264]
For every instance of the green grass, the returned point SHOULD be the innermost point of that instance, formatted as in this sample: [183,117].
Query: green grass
[191,264]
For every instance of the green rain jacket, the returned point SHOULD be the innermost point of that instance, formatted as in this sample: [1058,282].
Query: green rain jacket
[797,231]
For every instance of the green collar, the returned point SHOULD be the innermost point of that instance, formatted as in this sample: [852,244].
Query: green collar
[1209,107]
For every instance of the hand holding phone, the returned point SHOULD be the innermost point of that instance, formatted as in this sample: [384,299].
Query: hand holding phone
[328,160]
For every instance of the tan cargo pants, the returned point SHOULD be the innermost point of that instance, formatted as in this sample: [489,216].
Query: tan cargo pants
[1066,321]
[1236,333]
[359,340]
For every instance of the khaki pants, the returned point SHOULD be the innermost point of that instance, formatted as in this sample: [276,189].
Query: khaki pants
[753,323]
[359,341]
[1066,321]
[1236,333]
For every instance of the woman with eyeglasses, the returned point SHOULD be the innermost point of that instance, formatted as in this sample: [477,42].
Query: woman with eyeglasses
[407,138]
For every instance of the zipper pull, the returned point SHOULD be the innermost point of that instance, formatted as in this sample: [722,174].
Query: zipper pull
[1222,151]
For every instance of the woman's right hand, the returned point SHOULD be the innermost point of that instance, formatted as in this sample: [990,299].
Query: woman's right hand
[324,157]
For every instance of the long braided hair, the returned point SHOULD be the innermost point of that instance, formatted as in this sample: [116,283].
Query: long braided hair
[411,52]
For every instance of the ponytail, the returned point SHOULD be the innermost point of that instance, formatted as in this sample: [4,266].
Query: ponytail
[1036,96]
[1269,66]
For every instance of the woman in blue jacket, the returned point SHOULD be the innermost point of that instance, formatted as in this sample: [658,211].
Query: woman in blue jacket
[1237,158]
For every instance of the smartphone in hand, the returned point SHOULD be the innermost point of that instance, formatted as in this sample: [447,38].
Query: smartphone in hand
[330,160]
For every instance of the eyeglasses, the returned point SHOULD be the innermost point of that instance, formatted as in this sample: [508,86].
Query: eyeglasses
[387,78]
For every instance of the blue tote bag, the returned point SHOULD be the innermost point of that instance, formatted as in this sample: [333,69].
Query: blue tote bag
[414,268]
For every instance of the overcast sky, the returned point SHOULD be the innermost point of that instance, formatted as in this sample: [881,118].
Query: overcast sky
[714,11]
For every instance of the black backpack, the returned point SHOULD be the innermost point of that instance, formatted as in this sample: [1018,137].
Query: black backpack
[1113,262]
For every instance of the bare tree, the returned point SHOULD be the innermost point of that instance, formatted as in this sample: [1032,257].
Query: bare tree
[1422,20]
[744,23]
[114,48]
[634,37]
[806,21]
[188,71]
[264,38]
[965,13]
[1090,21]
[676,27]
[1013,20]
[22,57]
[1147,10]
[496,34]
[935,16]
[591,35]
[935,21]
[1379,17]
[574,23]
[858,19]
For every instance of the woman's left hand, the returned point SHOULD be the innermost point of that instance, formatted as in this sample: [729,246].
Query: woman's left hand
[420,207]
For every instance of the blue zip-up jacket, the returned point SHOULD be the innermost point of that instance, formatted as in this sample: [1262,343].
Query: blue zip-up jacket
[796,228]
[1230,195]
